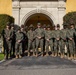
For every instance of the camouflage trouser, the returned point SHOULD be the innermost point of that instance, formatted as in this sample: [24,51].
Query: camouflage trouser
[44,44]
[7,47]
[18,48]
[71,46]
[49,43]
[6,50]
[39,42]
[13,46]
[57,45]
[63,44]
[31,44]
[23,46]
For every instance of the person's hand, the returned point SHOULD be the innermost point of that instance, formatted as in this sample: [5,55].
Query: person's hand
[71,39]
[8,38]
[39,37]
[57,38]
[47,39]
[19,41]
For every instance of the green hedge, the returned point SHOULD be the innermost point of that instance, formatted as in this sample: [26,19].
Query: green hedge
[69,18]
[4,19]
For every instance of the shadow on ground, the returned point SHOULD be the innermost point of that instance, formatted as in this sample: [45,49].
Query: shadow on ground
[38,62]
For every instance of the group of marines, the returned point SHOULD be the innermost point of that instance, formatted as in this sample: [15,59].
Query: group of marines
[60,42]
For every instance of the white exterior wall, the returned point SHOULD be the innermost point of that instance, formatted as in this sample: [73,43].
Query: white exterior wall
[54,9]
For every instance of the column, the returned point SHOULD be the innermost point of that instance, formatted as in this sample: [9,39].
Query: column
[61,12]
[16,11]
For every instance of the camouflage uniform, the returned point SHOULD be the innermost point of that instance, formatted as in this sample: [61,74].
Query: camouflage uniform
[53,43]
[39,39]
[13,39]
[7,36]
[24,44]
[71,42]
[57,41]
[53,38]
[49,40]
[19,39]
[63,41]
[31,41]
[44,40]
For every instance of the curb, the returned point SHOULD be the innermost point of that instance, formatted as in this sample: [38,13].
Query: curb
[2,61]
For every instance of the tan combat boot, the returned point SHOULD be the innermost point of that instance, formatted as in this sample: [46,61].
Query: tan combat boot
[33,53]
[68,57]
[5,57]
[62,55]
[28,54]
[52,55]
[47,54]
[16,56]
[20,56]
[55,54]
[74,56]
[59,54]
[36,54]
[42,55]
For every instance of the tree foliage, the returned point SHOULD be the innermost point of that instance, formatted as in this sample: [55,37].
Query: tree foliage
[69,18]
[4,19]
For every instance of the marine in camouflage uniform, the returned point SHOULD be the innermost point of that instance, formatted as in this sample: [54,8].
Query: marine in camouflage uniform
[64,33]
[53,38]
[24,44]
[13,38]
[57,42]
[39,38]
[49,39]
[19,39]
[71,42]
[7,41]
[31,40]
[44,40]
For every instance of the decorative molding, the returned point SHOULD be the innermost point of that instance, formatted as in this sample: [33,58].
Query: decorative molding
[52,18]
[16,3]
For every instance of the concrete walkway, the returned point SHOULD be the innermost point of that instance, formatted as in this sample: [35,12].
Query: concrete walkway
[38,66]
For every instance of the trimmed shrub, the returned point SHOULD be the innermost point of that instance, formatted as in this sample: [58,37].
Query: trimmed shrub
[69,18]
[3,21]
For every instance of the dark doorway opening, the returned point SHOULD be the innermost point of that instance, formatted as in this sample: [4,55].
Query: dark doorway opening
[39,18]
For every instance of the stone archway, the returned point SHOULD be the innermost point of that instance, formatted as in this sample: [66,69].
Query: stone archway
[38,18]
[48,15]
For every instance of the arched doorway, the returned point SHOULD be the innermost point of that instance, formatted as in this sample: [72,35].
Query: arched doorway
[39,18]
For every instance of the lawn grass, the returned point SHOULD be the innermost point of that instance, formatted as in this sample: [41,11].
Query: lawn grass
[1,56]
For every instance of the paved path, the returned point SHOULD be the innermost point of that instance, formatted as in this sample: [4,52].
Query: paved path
[38,66]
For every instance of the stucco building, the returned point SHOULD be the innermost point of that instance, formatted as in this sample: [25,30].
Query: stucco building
[34,11]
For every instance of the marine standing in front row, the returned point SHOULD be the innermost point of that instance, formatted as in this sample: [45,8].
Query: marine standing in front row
[7,41]
[57,42]
[39,38]
[31,39]
[71,42]
[49,39]
[19,39]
